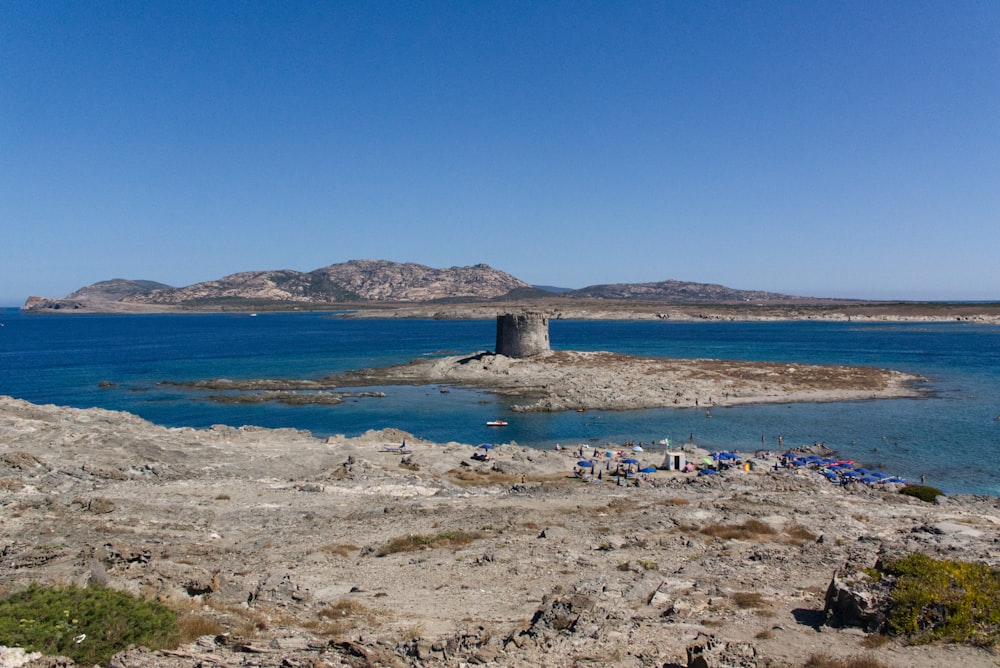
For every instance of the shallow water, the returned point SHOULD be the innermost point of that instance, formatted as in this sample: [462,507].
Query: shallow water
[951,437]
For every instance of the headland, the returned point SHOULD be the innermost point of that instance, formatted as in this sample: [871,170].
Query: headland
[359,552]
[573,380]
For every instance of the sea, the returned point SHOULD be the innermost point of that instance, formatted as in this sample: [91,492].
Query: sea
[951,437]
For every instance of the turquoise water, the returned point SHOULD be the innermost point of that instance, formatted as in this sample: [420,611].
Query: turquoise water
[952,437]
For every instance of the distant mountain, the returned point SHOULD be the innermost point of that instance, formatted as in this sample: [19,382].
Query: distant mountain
[373,281]
[677,292]
[354,281]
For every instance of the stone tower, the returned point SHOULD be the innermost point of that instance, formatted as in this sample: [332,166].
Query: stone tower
[522,334]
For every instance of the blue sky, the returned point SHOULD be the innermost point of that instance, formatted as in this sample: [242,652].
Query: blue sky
[841,149]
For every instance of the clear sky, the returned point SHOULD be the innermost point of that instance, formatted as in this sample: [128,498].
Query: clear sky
[841,149]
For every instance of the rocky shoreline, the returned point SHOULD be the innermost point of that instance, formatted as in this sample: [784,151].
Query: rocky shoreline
[284,543]
[568,380]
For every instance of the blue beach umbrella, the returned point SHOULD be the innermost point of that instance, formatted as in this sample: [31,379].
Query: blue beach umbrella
[584,463]
[485,446]
[630,461]
[648,469]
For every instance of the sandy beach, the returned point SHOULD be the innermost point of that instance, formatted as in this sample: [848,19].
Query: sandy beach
[349,552]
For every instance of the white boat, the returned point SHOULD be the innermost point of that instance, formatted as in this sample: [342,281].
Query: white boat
[496,423]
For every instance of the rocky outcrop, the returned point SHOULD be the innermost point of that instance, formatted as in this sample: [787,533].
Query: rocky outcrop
[271,537]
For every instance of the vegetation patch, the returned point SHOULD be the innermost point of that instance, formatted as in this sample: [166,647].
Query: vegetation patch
[799,535]
[89,625]
[749,530]
[922,492]
[465,477]
[342,616]
[820,661]
[949,601]
[748,600]
[340,550]
[453,539]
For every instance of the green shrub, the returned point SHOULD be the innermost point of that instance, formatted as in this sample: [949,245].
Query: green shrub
[922,492]
[951,601]
[88,625]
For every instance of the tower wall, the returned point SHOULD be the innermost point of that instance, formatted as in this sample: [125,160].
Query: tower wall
[522,334]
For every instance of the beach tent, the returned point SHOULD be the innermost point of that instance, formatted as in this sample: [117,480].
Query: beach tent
[674,461]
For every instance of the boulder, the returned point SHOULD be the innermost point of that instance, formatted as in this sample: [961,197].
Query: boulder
[715,653]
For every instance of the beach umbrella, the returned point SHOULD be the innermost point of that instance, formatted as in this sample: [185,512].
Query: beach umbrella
[863,471]
[607,453]
[648,469]
[485,446]
[630,461]
[707,472]
[830,476]
[636,448]
[584,463]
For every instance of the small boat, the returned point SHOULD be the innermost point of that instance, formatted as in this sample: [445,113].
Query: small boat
[496,423]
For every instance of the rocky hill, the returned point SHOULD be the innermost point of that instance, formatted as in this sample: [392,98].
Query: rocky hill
[377,281]
[357,280]
[678,292]
[116,289]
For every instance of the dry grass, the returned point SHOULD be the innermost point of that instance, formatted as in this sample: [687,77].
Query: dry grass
[875,641]
[413,632]
[193,626]
[463,477]
[749,600]
[341,550]
[340,617]
[799,535]
[11,484]
[749,530]
[410,543]
[819,661]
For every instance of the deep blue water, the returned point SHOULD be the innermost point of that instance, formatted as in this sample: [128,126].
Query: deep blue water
[953,437]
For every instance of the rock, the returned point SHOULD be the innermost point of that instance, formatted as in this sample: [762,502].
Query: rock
[854,599]
[715,653]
